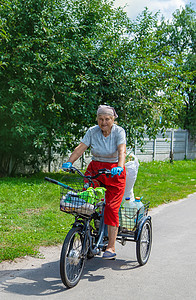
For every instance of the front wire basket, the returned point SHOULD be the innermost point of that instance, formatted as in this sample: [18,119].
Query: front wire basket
[129,218]
[79,200]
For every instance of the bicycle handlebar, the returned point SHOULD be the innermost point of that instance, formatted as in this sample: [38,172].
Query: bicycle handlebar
[51,180]
[100,172]
[73,169]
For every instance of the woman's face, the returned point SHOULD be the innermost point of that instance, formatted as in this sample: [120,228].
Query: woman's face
[105,122]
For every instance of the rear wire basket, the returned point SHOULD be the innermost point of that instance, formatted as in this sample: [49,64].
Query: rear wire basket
[129,218]
[78,200]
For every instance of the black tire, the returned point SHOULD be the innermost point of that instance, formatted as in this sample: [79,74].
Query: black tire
[143,245]
[72,259]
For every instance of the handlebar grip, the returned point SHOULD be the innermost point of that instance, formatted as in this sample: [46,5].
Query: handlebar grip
[51,180]
[70,170]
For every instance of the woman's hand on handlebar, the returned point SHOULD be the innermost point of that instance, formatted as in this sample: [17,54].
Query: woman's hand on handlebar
[67,165]
[116,171]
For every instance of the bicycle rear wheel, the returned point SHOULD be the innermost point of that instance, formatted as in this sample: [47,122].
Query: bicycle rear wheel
[72,258]
[143,245]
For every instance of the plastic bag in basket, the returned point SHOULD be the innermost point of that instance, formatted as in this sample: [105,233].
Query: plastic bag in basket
[71,202]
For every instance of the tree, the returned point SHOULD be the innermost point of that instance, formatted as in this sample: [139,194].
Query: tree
[154,81]
[3,34]
[63,59]
[51,83]
[182,38]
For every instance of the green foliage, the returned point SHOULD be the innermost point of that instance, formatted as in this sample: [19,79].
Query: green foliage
[55,63]
[29,206]
[154,80]
[61,59]
[182,40]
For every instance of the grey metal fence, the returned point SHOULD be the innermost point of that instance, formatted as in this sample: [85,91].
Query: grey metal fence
[176,145]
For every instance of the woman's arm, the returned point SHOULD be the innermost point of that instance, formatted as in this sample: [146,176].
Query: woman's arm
[78,151]
[121,155]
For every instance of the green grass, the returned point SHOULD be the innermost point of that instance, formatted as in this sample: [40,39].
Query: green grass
[29,206]
[30,216]
[163,182]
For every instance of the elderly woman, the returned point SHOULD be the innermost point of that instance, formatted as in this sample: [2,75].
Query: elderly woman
[108,147]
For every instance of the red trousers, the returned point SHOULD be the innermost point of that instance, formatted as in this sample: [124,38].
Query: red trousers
[115,190]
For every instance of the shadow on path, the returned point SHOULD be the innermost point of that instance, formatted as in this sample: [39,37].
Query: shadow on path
[46,280]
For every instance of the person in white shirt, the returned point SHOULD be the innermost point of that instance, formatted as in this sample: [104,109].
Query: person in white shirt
[108,147]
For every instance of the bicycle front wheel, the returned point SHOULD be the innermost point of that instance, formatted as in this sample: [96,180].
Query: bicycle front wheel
[72,258]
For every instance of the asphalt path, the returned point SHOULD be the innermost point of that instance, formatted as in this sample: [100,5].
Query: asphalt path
[169,274]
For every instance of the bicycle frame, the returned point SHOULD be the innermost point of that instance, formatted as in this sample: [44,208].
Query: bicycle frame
[102,233]
[85,224]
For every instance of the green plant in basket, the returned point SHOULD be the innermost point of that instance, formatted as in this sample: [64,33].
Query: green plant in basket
[92,195]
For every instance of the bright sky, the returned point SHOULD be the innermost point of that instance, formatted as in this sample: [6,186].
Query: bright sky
[166,7]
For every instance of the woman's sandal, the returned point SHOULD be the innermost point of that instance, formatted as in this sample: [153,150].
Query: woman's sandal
[109,255]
